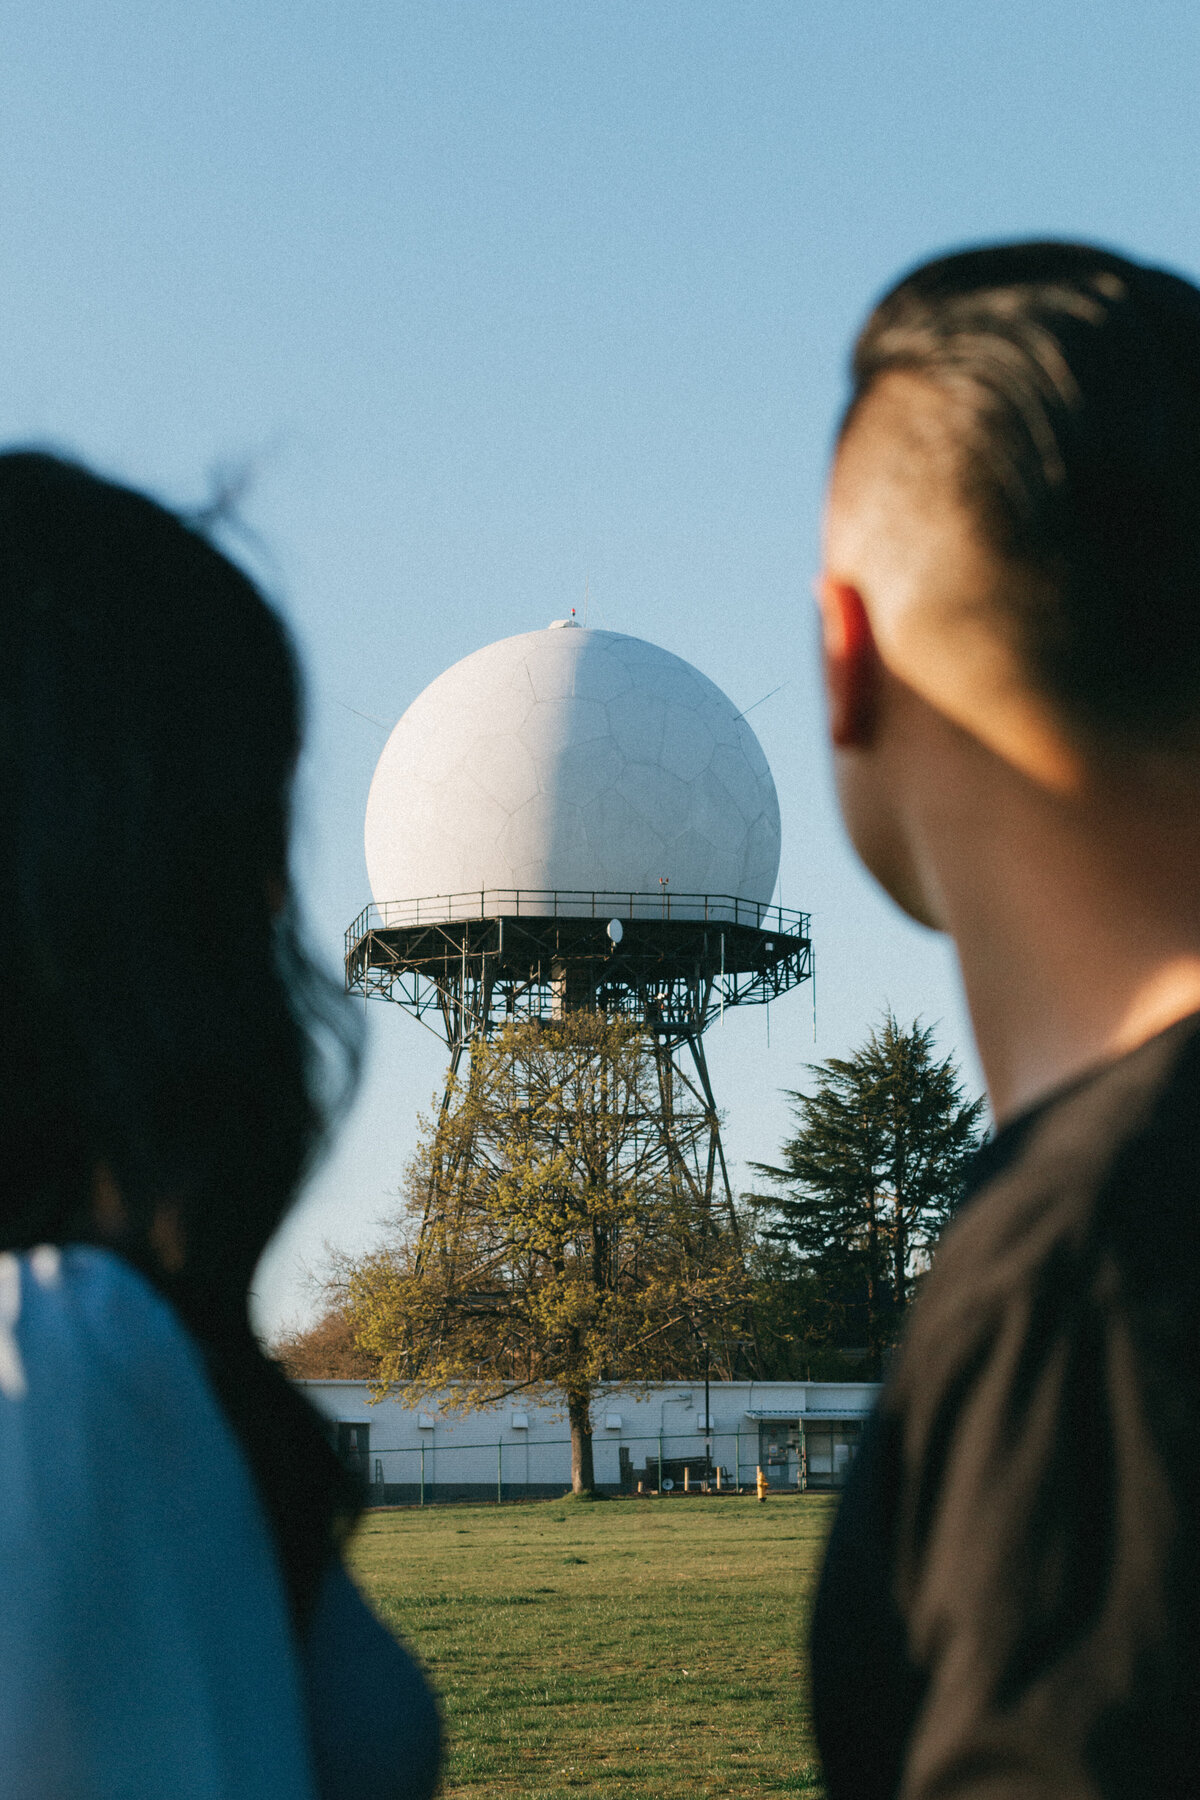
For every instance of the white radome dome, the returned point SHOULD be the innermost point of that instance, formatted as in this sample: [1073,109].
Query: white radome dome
[570,759]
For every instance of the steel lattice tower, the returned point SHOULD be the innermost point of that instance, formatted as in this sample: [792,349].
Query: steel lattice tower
[465,964]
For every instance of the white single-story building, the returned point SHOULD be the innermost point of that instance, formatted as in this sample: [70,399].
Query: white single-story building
[801,1433]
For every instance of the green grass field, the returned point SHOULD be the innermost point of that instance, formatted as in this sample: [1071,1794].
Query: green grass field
[635,1647]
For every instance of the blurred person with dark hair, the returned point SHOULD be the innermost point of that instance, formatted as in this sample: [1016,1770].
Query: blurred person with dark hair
[175,1616]
[1010,603]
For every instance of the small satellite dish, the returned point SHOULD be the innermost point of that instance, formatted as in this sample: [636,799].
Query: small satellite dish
[616,931]
[668,1484]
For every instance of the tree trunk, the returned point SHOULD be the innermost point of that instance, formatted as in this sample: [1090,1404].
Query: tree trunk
[900,1260]
[874,1344]
[583,1468]
[900,1243]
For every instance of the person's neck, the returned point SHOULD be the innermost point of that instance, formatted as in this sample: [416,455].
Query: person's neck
[1078,936]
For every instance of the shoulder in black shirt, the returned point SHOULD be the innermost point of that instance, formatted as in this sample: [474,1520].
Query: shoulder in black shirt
[1010,1605]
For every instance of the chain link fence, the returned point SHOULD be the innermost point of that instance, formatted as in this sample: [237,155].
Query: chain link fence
[722,1462]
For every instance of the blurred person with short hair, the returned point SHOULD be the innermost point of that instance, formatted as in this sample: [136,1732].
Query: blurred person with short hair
[1010,604]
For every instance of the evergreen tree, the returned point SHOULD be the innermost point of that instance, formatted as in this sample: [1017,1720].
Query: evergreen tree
[867,1183]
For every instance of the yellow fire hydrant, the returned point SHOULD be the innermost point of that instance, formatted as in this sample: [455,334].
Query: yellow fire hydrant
[761,1483]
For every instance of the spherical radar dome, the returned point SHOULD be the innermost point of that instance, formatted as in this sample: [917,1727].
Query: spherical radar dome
[572,759]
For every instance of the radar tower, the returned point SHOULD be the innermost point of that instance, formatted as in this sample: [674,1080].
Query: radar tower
[544,785]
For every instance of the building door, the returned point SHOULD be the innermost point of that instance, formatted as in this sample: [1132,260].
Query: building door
[832,1445]
[354,1448]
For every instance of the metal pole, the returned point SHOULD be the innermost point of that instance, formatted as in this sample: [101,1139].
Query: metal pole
[660,1485]
[707,1421]
[499,1472]
[422,1473]
[737,1474]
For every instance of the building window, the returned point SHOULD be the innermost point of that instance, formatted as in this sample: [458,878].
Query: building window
[817,1456]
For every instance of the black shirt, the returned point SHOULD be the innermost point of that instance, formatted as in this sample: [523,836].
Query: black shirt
[1010,1604]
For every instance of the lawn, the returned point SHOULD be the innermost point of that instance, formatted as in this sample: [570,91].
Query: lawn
[635,1647]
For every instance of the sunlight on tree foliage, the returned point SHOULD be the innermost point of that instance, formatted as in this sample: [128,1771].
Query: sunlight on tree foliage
[551,1237]
[865,1187]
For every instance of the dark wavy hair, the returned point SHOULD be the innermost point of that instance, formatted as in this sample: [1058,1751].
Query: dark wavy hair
[160,1020]
[1076,378]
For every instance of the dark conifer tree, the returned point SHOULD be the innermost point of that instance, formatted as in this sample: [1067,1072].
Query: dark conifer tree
[867,1183]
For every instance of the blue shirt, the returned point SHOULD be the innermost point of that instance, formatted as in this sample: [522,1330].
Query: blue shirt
[145,1644]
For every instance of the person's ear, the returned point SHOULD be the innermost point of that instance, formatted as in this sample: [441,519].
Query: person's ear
[851,663]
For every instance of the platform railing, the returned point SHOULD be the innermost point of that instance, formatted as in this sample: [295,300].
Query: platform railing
[577,903]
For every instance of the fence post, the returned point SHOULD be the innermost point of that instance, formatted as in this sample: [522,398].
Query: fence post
[660,1485]
[499,1472]
[422,1474]
[737,1473]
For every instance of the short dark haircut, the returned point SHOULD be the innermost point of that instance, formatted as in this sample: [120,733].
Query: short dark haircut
[1075,374]
[159,1017]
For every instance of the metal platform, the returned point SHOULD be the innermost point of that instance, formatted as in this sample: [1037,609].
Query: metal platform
[477,960]
[468,964]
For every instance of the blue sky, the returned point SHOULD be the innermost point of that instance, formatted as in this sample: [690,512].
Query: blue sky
[496,296]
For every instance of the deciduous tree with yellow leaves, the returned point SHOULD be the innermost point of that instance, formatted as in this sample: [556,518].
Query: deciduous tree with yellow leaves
[552,1239]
